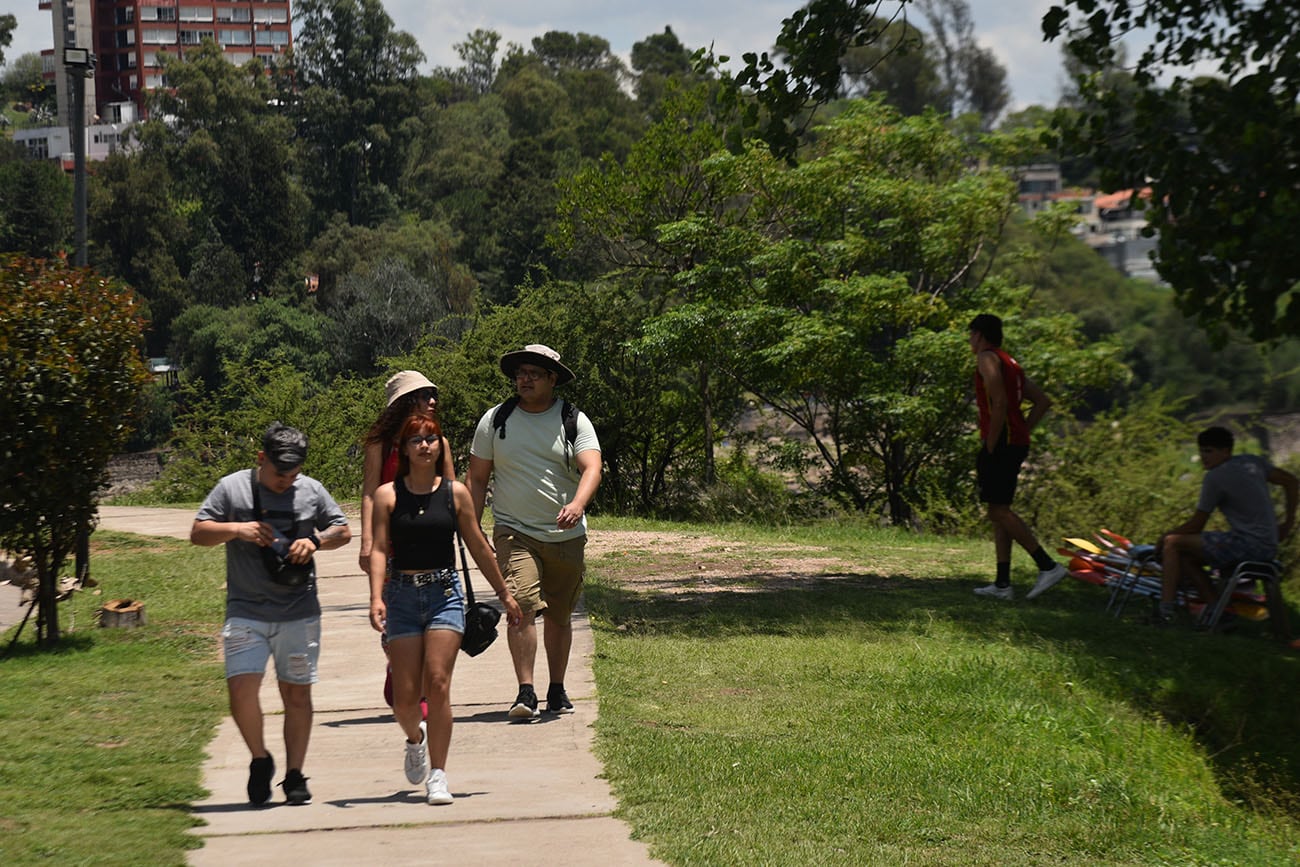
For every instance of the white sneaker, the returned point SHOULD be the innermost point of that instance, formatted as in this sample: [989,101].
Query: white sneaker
[1047,580]
[435,787]
[417,758]
[996,592]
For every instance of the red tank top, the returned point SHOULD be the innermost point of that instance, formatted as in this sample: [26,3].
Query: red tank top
[389,471]
[1015,432]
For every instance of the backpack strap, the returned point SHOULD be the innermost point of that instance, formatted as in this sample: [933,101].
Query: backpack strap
[503,413]
[568,417]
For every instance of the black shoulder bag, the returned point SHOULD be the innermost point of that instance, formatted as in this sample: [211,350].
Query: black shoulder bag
[480,618]
[280,570]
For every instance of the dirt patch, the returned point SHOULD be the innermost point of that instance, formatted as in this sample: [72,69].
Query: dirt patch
[691,563]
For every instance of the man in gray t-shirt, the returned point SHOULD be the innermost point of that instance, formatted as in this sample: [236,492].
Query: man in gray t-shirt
[272,519]
[1238,487]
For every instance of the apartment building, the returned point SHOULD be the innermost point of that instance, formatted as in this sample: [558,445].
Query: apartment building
[127,36]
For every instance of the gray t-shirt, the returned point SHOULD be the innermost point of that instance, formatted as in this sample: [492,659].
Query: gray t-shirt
[532,480]
[301,510]
[1238,488]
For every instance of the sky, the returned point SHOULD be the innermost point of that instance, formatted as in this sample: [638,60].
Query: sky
[1011,29]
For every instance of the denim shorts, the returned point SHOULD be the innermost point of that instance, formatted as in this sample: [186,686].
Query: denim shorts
[415,610]
[1226,549]
[295,644]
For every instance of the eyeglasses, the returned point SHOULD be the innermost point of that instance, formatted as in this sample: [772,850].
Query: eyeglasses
[426,394]
[521,373]
[431,439]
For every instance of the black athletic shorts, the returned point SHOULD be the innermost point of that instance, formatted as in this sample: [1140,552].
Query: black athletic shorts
[998,471]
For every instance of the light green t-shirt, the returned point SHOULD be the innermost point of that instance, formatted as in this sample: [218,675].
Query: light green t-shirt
[531,478]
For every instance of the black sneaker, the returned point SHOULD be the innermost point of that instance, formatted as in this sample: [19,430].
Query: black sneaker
[557,700]
[295,788]
[260,773]
[1159,619]
[525,706]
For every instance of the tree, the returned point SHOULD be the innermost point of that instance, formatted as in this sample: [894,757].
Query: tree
[1217,152]
[974,79]
[231,148]
[209,341]
[899,68]
[355,81]
[7,25]
[35,205]
[478,56]
[836,292]
[71,373]
[826,38]
[139,225]
[24,81]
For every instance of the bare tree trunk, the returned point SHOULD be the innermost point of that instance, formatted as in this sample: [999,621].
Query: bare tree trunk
[706,399]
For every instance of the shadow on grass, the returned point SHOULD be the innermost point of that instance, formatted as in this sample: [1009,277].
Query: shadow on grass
[1233,692]
[26,645]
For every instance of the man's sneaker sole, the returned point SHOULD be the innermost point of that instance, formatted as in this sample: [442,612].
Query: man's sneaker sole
[296,793]
[992,591]
[523,711]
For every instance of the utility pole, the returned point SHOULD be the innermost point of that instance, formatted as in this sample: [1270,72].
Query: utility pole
[80,64]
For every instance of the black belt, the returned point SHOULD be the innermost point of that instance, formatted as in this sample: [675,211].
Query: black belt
[420,579]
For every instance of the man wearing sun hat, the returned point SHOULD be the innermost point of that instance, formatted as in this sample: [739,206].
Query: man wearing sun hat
[544,472]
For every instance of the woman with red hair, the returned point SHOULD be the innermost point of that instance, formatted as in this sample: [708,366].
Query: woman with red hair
[419,602]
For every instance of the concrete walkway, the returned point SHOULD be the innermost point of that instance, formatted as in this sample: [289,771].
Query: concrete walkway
[526,793]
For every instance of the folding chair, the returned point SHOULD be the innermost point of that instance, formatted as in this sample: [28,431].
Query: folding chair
[1268,572]
[1140,576]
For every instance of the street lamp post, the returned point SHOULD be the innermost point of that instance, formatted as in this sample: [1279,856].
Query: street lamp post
[80,64]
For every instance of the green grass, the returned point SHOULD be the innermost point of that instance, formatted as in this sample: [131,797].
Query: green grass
[875,714]
[102,741]
[884,715]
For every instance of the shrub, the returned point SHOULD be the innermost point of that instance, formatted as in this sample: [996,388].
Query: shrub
[71,370]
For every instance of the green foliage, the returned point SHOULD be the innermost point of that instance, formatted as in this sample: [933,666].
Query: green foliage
[746,492]
[35,206]
[353,81]
[209,341]
[1222,204]
[70,376]
[7,25]
[23,81]
[220,431]
[230,147]
[1130,470]
[385,311]
[153,417]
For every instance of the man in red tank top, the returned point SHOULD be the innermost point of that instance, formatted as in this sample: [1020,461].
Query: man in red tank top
[1001,387]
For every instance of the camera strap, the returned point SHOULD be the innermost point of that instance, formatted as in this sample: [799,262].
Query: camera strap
[261,514]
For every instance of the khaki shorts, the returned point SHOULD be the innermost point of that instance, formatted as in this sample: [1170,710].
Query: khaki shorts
[542,576]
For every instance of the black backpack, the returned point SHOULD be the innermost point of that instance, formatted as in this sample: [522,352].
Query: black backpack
[568,417]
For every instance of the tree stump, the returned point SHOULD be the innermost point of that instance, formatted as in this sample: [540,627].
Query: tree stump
[122,613]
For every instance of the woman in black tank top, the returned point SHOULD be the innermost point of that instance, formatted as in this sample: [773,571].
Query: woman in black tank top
[420,604]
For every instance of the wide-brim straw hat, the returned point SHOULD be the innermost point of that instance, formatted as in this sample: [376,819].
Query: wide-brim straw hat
[405,382]
[542,356]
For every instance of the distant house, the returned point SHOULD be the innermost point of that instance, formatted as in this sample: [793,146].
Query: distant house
[1109,222]
[103,137]
[164,371]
